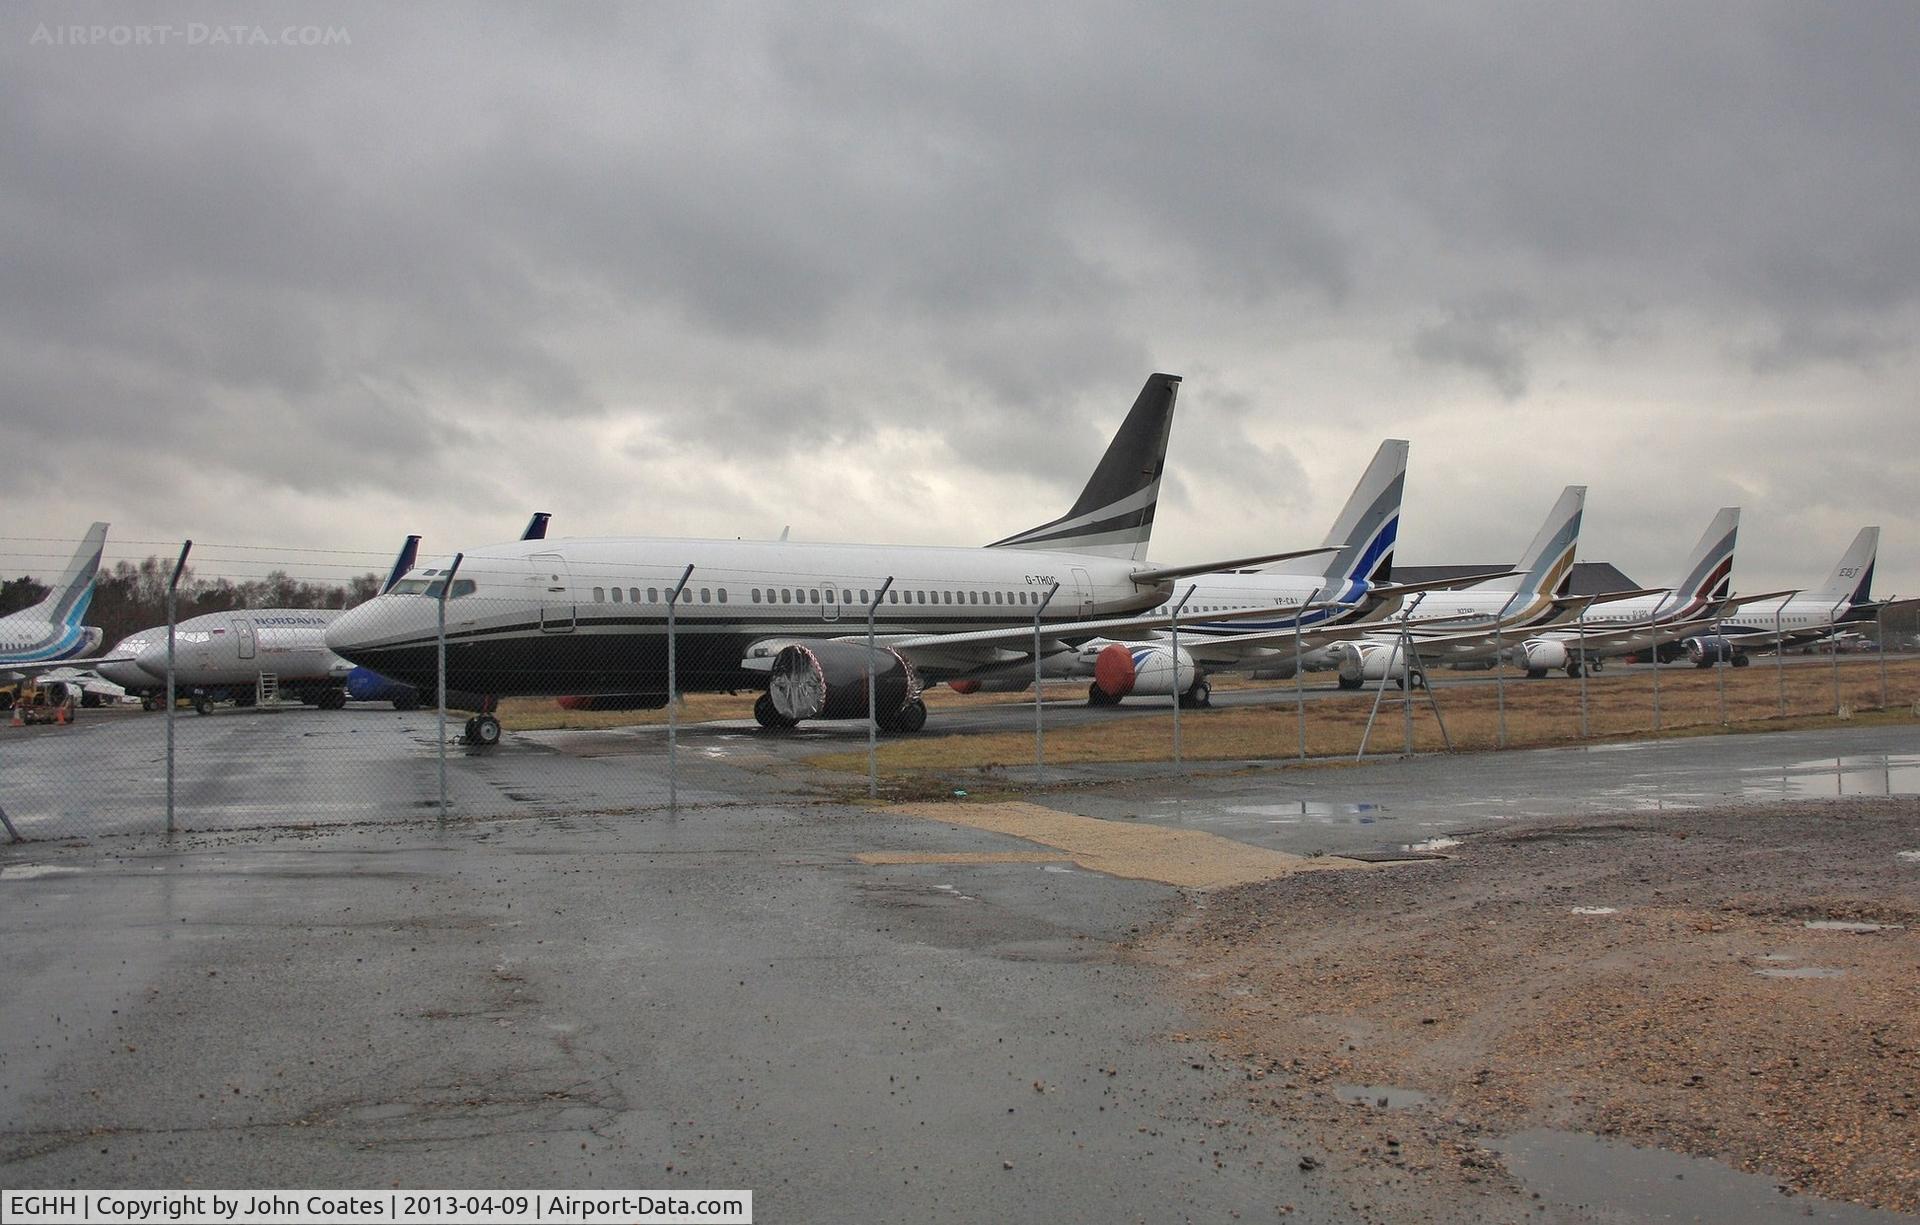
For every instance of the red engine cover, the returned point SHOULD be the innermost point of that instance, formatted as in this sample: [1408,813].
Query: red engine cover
[1113,671]
[964,686]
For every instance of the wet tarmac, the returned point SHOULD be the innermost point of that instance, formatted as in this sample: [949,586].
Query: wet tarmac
[602,992]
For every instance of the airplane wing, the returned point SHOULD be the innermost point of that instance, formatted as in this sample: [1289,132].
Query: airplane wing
[941,655]
[1161,574]
[19,672]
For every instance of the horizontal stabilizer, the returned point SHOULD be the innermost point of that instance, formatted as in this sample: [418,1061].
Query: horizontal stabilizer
[1160,574]
[1437,584]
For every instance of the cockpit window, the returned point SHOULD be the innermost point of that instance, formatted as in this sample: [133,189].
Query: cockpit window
[431,588]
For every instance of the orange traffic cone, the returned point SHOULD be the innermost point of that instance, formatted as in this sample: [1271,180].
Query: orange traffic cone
[63,713]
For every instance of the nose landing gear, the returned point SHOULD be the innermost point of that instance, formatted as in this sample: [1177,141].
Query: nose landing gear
[483,730]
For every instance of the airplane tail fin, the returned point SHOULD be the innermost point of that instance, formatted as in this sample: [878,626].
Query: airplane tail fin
[1708,574]
[409,552]
[537,526]
[72,594]
[1546,569]
[1114,514]
[1852,579]
[1367,527]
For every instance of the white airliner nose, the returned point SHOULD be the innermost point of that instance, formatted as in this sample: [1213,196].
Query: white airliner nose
[128,674]
[151,660]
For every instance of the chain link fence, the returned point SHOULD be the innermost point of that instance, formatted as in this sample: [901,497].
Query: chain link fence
[558,686]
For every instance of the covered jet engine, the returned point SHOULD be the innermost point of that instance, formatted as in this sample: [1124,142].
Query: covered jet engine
[1710,649]
[614,701]
[1539,656]
[1120,670]
[1360,662]
[828,680]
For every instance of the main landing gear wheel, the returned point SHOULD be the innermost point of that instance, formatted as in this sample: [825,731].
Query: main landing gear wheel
[482,731]
[909,718]
[1573,668]
[409,702]
[149,703]
[1419,680]
[202,704]
[766,716]
[336,699]
[1741,661]
[1536,674]
[1201,695]
[1350,682]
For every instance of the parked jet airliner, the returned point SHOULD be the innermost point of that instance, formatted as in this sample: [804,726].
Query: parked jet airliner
[589,615]
[1844,599]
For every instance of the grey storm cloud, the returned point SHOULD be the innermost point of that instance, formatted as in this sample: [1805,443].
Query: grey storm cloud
[686,264]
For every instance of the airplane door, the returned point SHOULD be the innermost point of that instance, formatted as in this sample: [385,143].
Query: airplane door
[552,586]
[243,637]
[1084,581]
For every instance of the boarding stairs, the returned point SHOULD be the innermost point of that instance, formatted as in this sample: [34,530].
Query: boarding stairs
[266,691]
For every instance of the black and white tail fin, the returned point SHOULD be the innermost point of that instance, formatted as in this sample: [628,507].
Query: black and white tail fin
[1852,580]
[1367,527]
[1114,516]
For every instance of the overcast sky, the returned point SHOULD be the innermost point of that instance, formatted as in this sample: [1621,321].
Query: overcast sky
[893,272]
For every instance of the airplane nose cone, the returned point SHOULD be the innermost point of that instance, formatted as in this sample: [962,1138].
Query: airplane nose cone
[128,674]
[151,660]
[351,631]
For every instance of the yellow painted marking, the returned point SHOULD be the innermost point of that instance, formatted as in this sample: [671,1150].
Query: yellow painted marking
[1191,859]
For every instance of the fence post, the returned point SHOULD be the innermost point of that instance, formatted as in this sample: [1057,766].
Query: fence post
[1880,638]
[1299,683]
[1500,677]
[1723,660]
[873,718]
[1833,649]
[1653,654]
[1780,658]
[173,619]
[440,675]
[1586,666]
[673,693]
[1173,624]
[1039,748]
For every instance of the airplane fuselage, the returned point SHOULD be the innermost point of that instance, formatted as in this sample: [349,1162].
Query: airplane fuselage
[589,615]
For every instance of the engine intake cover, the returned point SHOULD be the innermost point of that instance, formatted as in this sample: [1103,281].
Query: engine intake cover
[828,680]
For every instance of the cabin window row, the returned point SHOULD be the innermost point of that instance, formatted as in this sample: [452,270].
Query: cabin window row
[812,595]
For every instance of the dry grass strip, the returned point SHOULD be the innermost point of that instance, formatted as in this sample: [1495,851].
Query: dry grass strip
[1190,859]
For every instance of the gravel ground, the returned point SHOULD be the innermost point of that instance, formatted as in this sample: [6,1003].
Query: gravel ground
[1649,978]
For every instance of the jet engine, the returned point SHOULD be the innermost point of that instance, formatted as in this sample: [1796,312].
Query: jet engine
[1539,656]
[1360,662]
[828,680]
[1710,649]
[1120,670]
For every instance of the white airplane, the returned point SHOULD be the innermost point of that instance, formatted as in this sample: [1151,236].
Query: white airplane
[1324,598]
[1804,617]
[222,656]
[584,616]
[51,634]
[1449,626]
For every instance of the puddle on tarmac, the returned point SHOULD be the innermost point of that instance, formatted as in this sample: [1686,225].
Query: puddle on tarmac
[1386,1096]
[1433,844]
[1845,925]
[1596,910]
[1613,1180]
[1907,856]
[1293,812]
[1868,774]
[1801,972]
